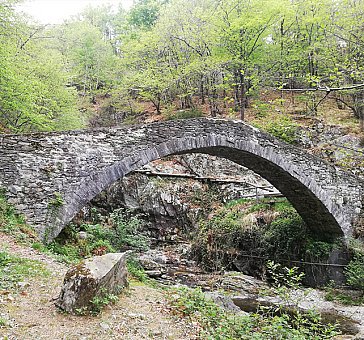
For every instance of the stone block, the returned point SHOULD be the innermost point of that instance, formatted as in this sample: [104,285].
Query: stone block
[91,278]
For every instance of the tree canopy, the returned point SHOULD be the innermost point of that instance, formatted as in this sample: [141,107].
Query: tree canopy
[181,54]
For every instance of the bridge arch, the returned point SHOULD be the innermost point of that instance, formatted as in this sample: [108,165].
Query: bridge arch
[327,198]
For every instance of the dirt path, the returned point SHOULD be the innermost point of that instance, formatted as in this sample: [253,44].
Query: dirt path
[140,313]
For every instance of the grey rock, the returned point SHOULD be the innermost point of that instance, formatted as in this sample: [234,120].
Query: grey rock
[154,273]
[223,301]
[235,281]
[83,282]
[82,235]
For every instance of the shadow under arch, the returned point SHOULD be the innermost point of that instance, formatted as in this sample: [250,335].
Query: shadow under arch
[316,205]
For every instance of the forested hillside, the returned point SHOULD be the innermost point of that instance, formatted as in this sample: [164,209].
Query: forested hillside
[217,57]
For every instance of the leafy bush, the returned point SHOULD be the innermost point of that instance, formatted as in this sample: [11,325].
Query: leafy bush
[355,272]
[121,232]
[284,276]
[268,229]
[136,270]
[127,231]
[282,127]
[102,299]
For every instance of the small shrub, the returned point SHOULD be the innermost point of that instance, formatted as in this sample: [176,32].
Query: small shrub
[123,231]
[68,253]
[355,272]
[3,322]
[97,304]
[346,298]
[318,249]
[136,270]
[267,229]
[14,224]
[56,202]
[288,277]
[128,231]
[103,299]
[100,247]
[281,126]
[184,114]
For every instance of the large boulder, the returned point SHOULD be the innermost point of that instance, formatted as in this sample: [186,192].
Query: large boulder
[95,277]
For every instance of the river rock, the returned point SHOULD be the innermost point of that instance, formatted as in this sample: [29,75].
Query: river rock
[329,314]
[235,281]
[224,302]
[94,276]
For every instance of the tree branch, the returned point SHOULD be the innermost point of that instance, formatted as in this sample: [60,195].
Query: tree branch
[326,88]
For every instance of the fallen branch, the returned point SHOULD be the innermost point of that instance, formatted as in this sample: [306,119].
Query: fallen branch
[326,88]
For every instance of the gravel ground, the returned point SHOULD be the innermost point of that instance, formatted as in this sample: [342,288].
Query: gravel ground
[140,313]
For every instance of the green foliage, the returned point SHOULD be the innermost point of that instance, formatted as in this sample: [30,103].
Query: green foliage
[101,300]
[15,269]
[267,229]
[56,202]
[345,297]
[67,253]
[90,58]
[136,270]
[13,224]
[282,127]
[179,53]
[284,276]
[216,323]
[120,231]
[98,302]
[318,249]
[184,114]
[127,231]
[145,13]
[355,271]
[31,99]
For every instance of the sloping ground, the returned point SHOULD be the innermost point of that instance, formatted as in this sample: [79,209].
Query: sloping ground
[140,313]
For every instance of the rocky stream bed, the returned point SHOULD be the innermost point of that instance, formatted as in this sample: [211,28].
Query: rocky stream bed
[241,293]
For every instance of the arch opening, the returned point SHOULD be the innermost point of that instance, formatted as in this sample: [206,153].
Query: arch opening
[303,193]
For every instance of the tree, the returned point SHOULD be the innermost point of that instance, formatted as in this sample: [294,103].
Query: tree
[244,33]
[33,81]
[91,59]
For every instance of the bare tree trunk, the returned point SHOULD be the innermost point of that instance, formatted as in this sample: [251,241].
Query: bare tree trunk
[202,91]
[242,96]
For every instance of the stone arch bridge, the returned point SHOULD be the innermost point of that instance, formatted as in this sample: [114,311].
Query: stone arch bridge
[49,177]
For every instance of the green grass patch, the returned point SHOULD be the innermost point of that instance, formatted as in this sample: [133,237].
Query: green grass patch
[15,269]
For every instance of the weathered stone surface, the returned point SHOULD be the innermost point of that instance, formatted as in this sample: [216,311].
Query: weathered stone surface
[224,302]
[95,276]
[234,281]
[50,176]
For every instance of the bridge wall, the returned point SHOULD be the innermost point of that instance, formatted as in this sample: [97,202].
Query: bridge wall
[49,177]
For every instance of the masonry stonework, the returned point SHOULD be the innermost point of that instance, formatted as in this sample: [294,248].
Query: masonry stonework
[49,177]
